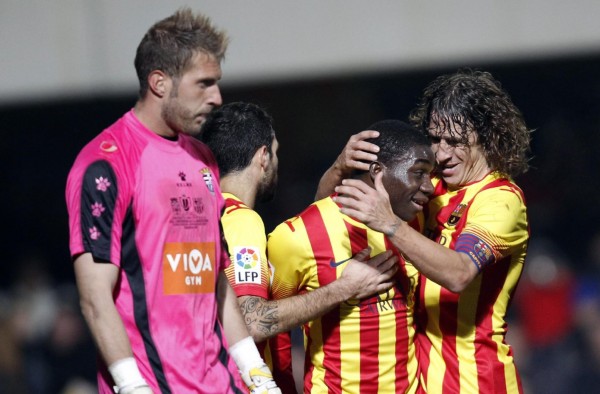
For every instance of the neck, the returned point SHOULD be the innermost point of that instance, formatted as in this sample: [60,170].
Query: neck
[240,185]
[149,114]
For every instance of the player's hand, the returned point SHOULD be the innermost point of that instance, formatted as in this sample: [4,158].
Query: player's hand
[358,153]
[368,205]
[367,277]
[260,381]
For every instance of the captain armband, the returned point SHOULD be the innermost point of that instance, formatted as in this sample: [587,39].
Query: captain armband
[477,249]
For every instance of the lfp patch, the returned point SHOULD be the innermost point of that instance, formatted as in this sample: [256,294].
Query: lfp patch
[246,260]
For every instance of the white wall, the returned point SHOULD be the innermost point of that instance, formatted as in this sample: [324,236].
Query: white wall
[50,48]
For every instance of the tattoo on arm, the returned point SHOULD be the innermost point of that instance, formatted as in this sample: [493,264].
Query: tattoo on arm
[260,315]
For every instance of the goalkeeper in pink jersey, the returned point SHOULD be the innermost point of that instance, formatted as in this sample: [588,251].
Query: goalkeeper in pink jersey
[144,207]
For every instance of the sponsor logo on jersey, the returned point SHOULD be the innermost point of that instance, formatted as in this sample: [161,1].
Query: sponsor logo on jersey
[188,267]
[456,214]
[208,179]
[246,260]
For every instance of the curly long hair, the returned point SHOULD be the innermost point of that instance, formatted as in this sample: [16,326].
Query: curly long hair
[475,101]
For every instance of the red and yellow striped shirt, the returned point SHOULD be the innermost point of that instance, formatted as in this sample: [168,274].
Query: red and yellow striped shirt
[463,349]
[249,275]
[361,346]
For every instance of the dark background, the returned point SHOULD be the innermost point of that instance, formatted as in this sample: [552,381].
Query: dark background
[560,99]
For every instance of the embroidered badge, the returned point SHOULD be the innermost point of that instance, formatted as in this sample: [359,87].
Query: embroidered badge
[456,214]
[208,179]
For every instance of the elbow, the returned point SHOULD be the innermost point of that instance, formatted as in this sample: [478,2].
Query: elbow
[459,280]
[89,309]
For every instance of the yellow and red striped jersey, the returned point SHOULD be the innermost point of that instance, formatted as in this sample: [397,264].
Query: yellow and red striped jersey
[463,349]
[249,275]
[361,346]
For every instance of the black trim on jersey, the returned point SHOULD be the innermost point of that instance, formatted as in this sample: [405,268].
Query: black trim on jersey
[90,194]
[224,358]
[131,264]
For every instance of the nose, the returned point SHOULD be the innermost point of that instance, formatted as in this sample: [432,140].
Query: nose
[442,151]
[427,187]
[215,96]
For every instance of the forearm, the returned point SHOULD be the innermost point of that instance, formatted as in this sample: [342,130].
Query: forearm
[330,179]
[266,318]
[108,331]
[95,283]
[442,265]
[229,312]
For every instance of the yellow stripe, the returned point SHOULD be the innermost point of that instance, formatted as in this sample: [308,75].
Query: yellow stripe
[465,335]
[437,368]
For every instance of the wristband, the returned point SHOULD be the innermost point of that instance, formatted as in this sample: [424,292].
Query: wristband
[245,354]
[126,375]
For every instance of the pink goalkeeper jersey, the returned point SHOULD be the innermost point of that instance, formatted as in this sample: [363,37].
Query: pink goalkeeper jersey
[151,206]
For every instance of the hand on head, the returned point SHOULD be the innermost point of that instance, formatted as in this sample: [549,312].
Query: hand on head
[368,205]
[358,153]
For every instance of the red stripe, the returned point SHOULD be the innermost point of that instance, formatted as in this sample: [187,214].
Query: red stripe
[323,253]
[423,345]
[491,376]
[402,328]
[369,326]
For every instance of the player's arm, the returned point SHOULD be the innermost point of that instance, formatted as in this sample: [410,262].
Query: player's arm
[448,268]
[360,278]
[95,282]
[356,155]
[253,369]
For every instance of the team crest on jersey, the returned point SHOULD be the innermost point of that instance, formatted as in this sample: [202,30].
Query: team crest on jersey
[456,214]
[198,205]
[246,260]
[208,179]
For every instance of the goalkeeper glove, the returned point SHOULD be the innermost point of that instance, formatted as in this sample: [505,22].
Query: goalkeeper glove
[253,369]
[260,381]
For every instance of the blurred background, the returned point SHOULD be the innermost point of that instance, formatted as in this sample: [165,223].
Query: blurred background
[324,70]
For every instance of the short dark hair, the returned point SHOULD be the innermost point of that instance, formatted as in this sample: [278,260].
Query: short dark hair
[235,132]
[395,139]
[171,43]
[475,101]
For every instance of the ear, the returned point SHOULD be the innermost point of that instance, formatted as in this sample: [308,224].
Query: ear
[159,83]
[375,168]
[264,156]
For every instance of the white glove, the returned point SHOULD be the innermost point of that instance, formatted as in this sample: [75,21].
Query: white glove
[260,380]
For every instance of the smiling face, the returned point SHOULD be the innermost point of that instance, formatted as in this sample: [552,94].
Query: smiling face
[408,181]
[193,95]
[460,160]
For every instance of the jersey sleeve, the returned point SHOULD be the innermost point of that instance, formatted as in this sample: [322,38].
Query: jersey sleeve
[248,272]
[291,258]
[496,227]
[96,211]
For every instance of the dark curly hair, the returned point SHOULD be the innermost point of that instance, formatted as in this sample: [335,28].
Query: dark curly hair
[475,101]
